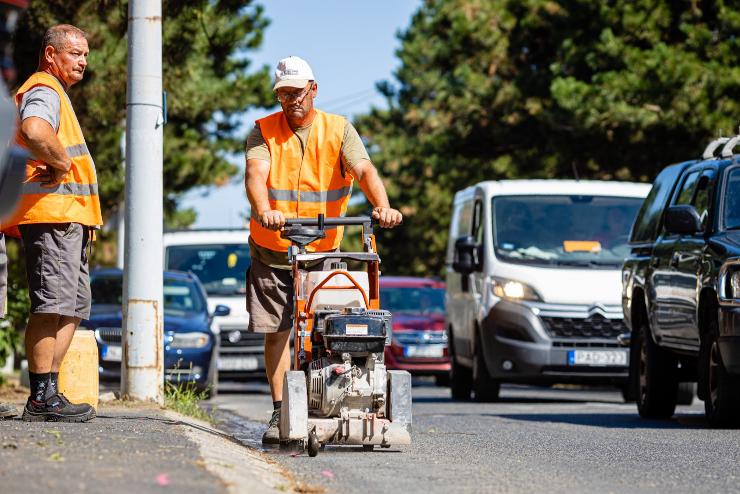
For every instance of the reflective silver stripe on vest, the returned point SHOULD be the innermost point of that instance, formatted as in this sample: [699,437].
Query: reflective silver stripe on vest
[309,196]
[71,189]
[77,150]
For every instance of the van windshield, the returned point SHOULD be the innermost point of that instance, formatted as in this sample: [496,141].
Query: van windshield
[563,230]
[221,268]
[732,201]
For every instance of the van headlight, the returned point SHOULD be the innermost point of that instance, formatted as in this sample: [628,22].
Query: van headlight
[188,340]
[734,285]
[513,290]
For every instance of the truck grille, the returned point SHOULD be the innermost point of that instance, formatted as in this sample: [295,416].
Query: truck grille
[596,326]
[232,337]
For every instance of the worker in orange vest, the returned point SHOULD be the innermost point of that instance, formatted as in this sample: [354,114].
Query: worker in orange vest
[300,162]
[56,215]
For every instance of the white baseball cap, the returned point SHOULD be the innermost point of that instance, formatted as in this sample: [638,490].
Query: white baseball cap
[292,72]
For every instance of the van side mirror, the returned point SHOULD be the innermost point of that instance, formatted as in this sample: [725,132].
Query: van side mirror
[682,220]
[467,257]
[221,310]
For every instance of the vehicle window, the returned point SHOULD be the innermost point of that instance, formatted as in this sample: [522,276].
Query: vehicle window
[563,230]
[465,220]
[732,201]
[701,198]
[413,300]
[478,221]
[686,193]
[221,268]
[648,219]
[180,295]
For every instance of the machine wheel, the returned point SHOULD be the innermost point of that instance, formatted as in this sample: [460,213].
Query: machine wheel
[722,393]
[461,378]
[685,393]
[313,444]
[658,380]
[368,447]
[486,388]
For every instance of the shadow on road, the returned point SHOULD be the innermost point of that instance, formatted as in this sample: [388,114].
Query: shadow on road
[609,420]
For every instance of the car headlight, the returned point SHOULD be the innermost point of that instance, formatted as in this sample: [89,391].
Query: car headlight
[188,340]
[734,287]
[513,290]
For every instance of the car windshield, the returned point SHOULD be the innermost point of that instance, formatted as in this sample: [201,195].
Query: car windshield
[181,296]
[732,201]
[560,230]
[221,268]
[413,300]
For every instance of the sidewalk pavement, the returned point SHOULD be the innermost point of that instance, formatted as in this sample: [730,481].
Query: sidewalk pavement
[139,448]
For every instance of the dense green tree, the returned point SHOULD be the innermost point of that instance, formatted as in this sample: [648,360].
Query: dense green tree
[492,89]
[206,77]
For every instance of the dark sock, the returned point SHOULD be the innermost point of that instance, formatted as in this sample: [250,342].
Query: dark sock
[53,387]
[39,383]
[277,404]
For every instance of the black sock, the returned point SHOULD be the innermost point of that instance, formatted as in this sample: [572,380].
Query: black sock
[53,387]
[277,404]
[39,383]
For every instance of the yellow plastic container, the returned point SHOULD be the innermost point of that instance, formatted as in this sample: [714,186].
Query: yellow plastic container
[78,375]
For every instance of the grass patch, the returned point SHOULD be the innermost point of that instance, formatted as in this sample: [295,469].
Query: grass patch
[185,398]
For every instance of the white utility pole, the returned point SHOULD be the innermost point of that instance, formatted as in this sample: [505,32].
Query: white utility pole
[142,362]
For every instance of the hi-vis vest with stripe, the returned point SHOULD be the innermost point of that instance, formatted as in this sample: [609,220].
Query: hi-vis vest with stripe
[302,185]
[75,200]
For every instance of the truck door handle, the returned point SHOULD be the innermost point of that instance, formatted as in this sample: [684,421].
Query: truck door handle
[675,258]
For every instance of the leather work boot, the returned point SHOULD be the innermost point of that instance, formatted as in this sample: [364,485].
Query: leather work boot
[57,408]
[7,411]
[272,434]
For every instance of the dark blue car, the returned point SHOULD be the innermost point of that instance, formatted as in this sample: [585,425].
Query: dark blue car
[190,347]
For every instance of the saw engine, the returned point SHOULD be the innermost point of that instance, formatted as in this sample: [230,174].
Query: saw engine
[351,375]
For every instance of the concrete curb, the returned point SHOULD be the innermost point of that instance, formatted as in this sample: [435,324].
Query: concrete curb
[240,467]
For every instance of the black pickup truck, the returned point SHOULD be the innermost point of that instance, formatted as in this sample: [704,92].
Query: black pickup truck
[681,288]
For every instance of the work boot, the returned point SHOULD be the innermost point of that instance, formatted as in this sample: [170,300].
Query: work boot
[7,411]
[57,408]
[272,434]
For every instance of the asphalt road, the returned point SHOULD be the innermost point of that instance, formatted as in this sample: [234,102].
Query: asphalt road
[533,440]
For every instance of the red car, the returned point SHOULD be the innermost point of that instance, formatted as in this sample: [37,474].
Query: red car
[419,342]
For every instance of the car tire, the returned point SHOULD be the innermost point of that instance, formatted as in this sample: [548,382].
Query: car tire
[461,377]
[658,377]
[212,383]
[485,388]
[722,393]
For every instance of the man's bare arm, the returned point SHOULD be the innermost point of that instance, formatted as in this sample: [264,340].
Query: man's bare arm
[44,144]
[255,181]
[367,176]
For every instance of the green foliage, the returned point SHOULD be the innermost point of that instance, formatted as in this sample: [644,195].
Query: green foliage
[184,398]
[496,89]
[18,303]
[205,70]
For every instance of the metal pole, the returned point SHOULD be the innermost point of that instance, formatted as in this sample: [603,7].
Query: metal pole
[142,360]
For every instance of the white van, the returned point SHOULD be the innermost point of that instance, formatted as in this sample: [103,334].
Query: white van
[533,283]
[220,259]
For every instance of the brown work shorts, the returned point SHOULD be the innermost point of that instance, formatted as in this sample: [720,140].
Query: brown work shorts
[56,268]
[270,297]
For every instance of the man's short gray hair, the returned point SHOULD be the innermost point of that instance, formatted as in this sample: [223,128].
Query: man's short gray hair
[57,36]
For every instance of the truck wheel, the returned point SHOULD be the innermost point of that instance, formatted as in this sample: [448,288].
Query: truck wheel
[658,379]
[461,378]
[485,388]
[685,393]
[722,394]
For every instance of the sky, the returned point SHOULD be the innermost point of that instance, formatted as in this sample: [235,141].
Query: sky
[350,45]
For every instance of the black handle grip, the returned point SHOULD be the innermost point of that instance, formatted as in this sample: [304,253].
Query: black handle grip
[341,221]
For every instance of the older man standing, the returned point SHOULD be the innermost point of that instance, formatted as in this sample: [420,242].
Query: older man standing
[58,209]
[300,162]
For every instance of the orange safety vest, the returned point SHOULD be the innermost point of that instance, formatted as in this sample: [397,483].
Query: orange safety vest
[302,185]
[75,199]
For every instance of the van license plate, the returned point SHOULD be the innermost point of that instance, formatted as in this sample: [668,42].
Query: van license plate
[598,357]
[237,363]
[111,353]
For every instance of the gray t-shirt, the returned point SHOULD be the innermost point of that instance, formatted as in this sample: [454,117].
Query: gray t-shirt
[42,102]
